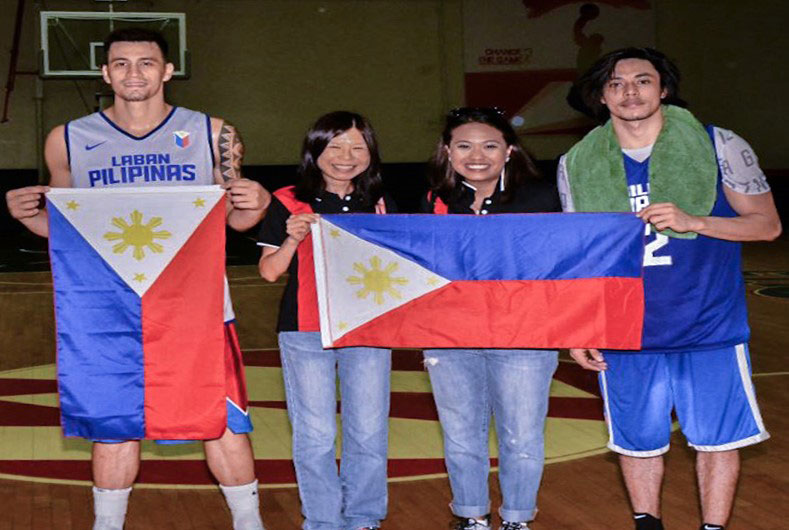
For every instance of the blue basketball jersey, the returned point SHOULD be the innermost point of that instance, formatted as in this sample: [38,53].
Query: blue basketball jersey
[694,289]
[178,152]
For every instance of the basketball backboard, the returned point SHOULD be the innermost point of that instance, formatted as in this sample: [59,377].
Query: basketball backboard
[72,41]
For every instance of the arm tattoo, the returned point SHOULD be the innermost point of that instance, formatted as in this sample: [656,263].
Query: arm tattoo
[231,152]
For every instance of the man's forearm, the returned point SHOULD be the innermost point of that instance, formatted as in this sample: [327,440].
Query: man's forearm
[38,224]
[750,227]
[241,220]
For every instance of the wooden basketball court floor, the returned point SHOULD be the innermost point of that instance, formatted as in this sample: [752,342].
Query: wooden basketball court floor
[43,476]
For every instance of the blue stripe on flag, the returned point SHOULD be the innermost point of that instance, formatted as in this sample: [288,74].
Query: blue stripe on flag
[99,340]
[509,246]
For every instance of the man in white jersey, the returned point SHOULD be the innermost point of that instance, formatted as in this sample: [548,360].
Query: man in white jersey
[700,191]
[137,69]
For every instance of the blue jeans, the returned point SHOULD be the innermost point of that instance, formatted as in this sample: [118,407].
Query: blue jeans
[357,496]
[514,385]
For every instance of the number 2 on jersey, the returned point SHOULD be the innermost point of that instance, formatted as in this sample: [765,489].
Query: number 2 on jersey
[659,242]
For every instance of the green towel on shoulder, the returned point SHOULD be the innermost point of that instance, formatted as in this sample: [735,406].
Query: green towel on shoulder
[683,169]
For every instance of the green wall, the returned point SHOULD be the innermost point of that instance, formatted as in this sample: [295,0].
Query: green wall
[271,67]
[734,58]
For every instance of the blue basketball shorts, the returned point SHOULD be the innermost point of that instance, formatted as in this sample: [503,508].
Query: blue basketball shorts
[710,391]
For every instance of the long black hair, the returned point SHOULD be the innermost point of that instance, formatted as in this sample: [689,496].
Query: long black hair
[368,185]
[586,93]
[444,181]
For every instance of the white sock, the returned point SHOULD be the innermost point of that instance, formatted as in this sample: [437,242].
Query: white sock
[109,508]
[244,504]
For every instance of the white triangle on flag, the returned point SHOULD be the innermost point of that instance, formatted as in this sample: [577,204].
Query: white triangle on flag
[137,231]
[358,281]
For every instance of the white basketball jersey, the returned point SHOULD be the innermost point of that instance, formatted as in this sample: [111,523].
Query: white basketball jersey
[178,152]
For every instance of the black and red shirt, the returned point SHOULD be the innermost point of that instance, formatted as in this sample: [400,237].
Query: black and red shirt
[299,306]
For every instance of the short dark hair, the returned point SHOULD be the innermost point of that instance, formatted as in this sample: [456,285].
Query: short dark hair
[443,178]
[133,34]
[368,185]
[587,91]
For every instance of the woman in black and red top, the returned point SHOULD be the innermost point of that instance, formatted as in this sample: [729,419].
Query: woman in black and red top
[480,168]
[339,173]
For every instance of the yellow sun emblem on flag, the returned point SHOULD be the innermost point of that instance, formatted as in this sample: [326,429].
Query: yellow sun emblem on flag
[137,235]
[376,280]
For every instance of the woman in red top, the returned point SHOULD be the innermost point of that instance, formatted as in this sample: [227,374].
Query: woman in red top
[480,168]
[339,173]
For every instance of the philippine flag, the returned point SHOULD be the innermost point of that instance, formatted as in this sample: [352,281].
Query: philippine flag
[181,139]
[138,279]
[498,281]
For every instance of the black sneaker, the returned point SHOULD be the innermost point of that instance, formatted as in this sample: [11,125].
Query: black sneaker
[469,523]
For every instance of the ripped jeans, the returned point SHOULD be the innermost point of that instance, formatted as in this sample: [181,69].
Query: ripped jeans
[513,384]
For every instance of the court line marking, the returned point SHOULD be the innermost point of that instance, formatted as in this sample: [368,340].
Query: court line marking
[148,485]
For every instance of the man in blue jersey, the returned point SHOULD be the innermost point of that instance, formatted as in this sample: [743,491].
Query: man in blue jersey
[142,140]
[700,191]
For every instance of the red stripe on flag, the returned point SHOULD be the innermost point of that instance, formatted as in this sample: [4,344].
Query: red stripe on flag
[184,339]
[580,313]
